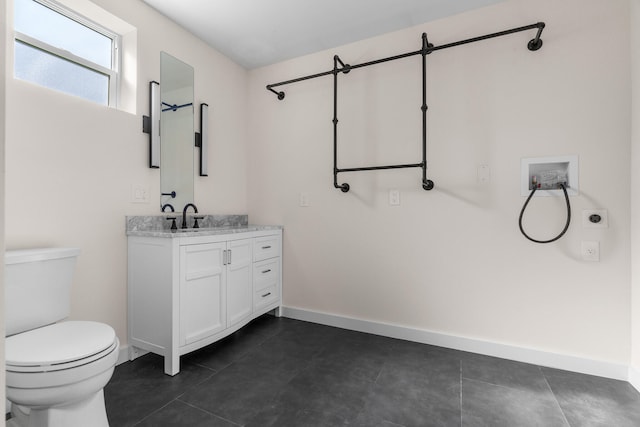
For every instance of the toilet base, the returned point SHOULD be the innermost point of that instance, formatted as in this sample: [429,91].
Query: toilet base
[73,415]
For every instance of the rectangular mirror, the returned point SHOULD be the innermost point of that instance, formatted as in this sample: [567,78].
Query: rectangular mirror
[177,130]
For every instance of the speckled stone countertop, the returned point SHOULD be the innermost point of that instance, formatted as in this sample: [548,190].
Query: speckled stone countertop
[159,226]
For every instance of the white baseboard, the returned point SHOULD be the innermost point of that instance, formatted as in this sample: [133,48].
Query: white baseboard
[504,351]
[634,377]
[123,354]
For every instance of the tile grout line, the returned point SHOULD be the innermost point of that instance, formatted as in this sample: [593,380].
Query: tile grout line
[153,412]
[460,370]
[555,398]
[177,398]
[207,412]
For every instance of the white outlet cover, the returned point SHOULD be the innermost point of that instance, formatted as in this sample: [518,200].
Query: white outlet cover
[604,218]
[590,250]
[484,174]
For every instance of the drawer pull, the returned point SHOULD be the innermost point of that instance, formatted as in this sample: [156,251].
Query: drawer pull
[266,271]
[266,247]
[266,295]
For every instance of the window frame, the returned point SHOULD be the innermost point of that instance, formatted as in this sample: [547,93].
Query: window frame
[116,41]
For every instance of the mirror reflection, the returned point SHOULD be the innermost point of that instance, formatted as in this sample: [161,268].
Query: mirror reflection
[177,133]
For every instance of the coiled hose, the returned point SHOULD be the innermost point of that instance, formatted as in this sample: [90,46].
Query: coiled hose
[566,227]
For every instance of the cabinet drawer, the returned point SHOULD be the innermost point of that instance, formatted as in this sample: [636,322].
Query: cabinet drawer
[266,273]
[266,247]
[265,297]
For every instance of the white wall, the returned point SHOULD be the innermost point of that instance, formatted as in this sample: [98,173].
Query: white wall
[71,164]
[3,36]
[450,260]
[635,184]
[453,260]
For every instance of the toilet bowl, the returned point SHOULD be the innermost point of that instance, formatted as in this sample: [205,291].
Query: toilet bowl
[55,372]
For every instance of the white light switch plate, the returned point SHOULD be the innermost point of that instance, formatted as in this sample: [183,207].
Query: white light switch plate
[394,197]
[139,194]
[304,200]
[590,251]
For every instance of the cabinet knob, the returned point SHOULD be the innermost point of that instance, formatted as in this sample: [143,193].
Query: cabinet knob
[266,271]
[266,247]
[266,295]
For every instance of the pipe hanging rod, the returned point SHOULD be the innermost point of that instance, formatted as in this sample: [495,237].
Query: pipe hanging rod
[340,67]
[533,45]
[375,168]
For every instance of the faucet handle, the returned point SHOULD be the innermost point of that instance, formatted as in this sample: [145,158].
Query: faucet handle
[195,221]
[173,223]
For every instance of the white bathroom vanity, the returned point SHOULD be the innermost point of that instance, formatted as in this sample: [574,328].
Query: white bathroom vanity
[188,289]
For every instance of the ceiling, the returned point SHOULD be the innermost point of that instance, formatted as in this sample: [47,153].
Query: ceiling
[255,33]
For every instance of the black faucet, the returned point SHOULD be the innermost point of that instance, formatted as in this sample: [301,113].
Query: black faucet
[168,205]
[184,213]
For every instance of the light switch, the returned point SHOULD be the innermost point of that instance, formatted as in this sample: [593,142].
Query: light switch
[394,197]
[139,194]
[304,200]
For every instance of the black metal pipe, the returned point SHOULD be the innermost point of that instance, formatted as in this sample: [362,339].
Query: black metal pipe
[426,49]
[346,68]
[539,25]
[427,184]
[390,58]
[344,186]
[373,168]
[299,79]
[536,43]
[280,94]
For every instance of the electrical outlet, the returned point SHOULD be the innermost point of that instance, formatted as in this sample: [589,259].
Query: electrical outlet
[590,251]
[484,174]
[394,197]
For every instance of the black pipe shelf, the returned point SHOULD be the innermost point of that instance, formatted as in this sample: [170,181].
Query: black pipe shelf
[427,48]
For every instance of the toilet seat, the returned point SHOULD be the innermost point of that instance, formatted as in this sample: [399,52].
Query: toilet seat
[59,346]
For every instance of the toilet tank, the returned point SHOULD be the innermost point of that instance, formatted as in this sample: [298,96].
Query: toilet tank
[37,287]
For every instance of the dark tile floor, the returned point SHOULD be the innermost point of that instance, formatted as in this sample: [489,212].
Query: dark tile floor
[283,372]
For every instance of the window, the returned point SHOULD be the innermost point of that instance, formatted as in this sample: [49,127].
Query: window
[59,49]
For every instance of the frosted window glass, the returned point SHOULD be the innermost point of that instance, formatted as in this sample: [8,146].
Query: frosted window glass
[51,27]
[48,70]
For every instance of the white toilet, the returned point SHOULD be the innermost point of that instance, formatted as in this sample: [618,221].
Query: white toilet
[55,372]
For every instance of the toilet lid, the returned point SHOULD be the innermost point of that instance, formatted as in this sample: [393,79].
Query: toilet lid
[58,343]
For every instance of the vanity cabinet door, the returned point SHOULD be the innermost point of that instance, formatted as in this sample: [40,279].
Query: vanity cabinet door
[202,291]
[238,280]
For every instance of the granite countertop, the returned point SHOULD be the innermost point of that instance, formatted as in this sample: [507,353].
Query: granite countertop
[204,231]
[159,225]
